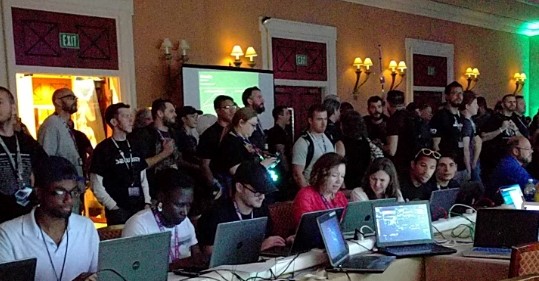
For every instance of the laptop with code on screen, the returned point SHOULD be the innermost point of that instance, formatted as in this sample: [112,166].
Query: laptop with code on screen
[512,196]
[404,230]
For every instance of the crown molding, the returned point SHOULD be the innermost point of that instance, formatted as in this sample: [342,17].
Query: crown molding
[447,12]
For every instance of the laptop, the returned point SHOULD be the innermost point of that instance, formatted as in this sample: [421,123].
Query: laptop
[358,217]
[512,195]
[497,230]
[307,236]
[20,270]
[339,255]
[530,206]
[135,258]
[441,201]
[404,230]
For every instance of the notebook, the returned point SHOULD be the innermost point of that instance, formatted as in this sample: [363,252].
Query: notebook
[338,254]
[138,258]
[497,230]
[307,236]
[21,270]
[512,195]
[441,201]
[358,217]
[404,230]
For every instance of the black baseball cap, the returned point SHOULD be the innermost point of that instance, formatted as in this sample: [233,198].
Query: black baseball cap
[187,110]
[255,175]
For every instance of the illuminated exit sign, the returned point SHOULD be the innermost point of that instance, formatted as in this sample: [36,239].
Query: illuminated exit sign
[69,40]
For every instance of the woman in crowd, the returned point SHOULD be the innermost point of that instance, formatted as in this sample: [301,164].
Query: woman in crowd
[327,178]
[470,138]
[380,182]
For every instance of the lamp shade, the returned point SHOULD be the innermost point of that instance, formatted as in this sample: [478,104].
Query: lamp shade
[250,52]
[402,65]
[475,72]
[166,45]
[184,45]
[517,76]
[357,62]
[236,51]
[522,77]
[367,63]
[392,65]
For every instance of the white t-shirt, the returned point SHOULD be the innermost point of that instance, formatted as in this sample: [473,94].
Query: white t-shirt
[144,222]
[21,238]
[322,145]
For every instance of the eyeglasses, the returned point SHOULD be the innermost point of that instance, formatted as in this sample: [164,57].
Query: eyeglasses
[227,107]
[71,97]
[62,192]
[256,193]
[427,152]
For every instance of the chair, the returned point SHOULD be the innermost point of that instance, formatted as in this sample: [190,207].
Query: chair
[282,220]
[110,232]
[524,260]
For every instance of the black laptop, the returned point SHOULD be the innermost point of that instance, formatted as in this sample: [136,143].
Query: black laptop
[404,230]
[21,270]
[497,230]
[307,236]
[441,201]
[338,253]
[358,217]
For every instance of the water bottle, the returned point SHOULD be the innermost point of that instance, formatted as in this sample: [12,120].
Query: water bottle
[529,191]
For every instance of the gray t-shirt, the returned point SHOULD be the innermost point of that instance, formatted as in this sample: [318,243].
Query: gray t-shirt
[322,145]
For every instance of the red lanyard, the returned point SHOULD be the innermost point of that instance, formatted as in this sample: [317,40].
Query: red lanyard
[173,255]
[326,202]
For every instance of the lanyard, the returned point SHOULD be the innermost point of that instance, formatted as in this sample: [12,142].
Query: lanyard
[326,202]
[238,211]
[49,254]
[173,255]
[129,165]
[17,167]
[248,145]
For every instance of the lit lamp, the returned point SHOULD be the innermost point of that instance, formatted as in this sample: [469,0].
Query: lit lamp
[520,79]
[237,52]
[167,48]
[251,53]
[184,46]
[471,75]
[359,64]
[396,69]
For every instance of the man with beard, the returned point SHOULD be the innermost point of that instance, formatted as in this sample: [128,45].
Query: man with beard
[19,153]
[376,121]
[446,126]
[57,138]
[414,185]
[252,97]
[117,173]
[510,169]
[521,109]
[64,244]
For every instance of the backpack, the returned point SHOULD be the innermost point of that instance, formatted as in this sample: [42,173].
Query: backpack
[310,149]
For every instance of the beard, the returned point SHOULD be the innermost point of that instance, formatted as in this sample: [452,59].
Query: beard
[169,122]
[70,108]
[60,213]
[455,103]
[259,109]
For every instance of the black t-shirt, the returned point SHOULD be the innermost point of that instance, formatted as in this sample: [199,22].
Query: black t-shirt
[333,132]
[410,192]
[187,146]
[224,211]
[493,150]
[258,138]
[117,177]
[233,150]
[377,132]
[278,135]
[358,155]
[208,145]
[448,127]
[401,124]
[433,185]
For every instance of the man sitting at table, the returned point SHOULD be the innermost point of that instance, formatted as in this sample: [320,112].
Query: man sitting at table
[445,173]
[414,186]
[251,184]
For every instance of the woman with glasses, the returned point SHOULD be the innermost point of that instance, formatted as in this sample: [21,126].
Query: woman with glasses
[380,182]
[327,178]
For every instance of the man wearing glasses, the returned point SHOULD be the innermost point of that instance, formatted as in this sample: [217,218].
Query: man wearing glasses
[415,186]
[251,184]
[65,244]
[57,138]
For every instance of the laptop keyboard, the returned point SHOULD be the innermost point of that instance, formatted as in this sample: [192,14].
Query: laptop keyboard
[492,250]
[412,249]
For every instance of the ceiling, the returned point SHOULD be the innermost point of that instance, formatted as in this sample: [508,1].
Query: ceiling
[524,10]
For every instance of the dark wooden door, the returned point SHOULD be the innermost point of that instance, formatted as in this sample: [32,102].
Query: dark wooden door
[300,99]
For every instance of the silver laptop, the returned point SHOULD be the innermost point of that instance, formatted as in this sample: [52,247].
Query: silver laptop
[512,196]
[497,230]
[338,253]
[20,270]
[138,258]
[358,217]
[441,201]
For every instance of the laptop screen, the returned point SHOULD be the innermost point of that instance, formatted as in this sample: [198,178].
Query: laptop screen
[403,224]
[336,247]
[512,195]
[504,228]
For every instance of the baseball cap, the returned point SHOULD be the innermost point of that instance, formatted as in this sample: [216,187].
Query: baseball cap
[256,175]
[187,110]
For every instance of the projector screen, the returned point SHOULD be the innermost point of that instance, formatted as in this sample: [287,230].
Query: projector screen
[201,84]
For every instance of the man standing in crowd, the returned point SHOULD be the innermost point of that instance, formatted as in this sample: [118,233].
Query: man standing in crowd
[252,97]
[65,244]
[521,110]
[400,132]
[310,146]
[280,142]
[376,121]
[414,185]
[333,109]
[446,126]
[187,141]
[57,138]
[19,153]
[117,173]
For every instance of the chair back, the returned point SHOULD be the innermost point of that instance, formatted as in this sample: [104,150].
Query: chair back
[110,232]
[282,219]
[524,260]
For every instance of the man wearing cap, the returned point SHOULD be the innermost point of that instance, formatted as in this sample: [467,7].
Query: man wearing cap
[187,134]
[252,183]
[117,173]
[65,244]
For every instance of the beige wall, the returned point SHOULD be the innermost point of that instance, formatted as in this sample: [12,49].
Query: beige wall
[212,27]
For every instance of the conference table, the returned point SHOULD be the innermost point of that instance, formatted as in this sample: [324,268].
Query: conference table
[310,266]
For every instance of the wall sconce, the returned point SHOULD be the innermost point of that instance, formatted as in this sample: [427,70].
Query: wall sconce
[520,80]
[237,52]
[359,64]
[472,75]
[168,47]
[401,71]
[251,53]
[174,61]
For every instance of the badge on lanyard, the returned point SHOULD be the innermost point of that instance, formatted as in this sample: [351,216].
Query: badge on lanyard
[134,191]
[22,196]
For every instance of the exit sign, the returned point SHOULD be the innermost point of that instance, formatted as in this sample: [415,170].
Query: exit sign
[301,60]
[69,40]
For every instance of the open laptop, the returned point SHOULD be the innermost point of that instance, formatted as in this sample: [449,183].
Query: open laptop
[359,217]
[135,258]
[20,270]
[512,195]
[441,201]
[530,206]
[497,230]
[404,230]
[307,236]
[338,253]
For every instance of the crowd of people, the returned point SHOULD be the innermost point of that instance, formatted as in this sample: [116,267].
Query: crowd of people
[178,170]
